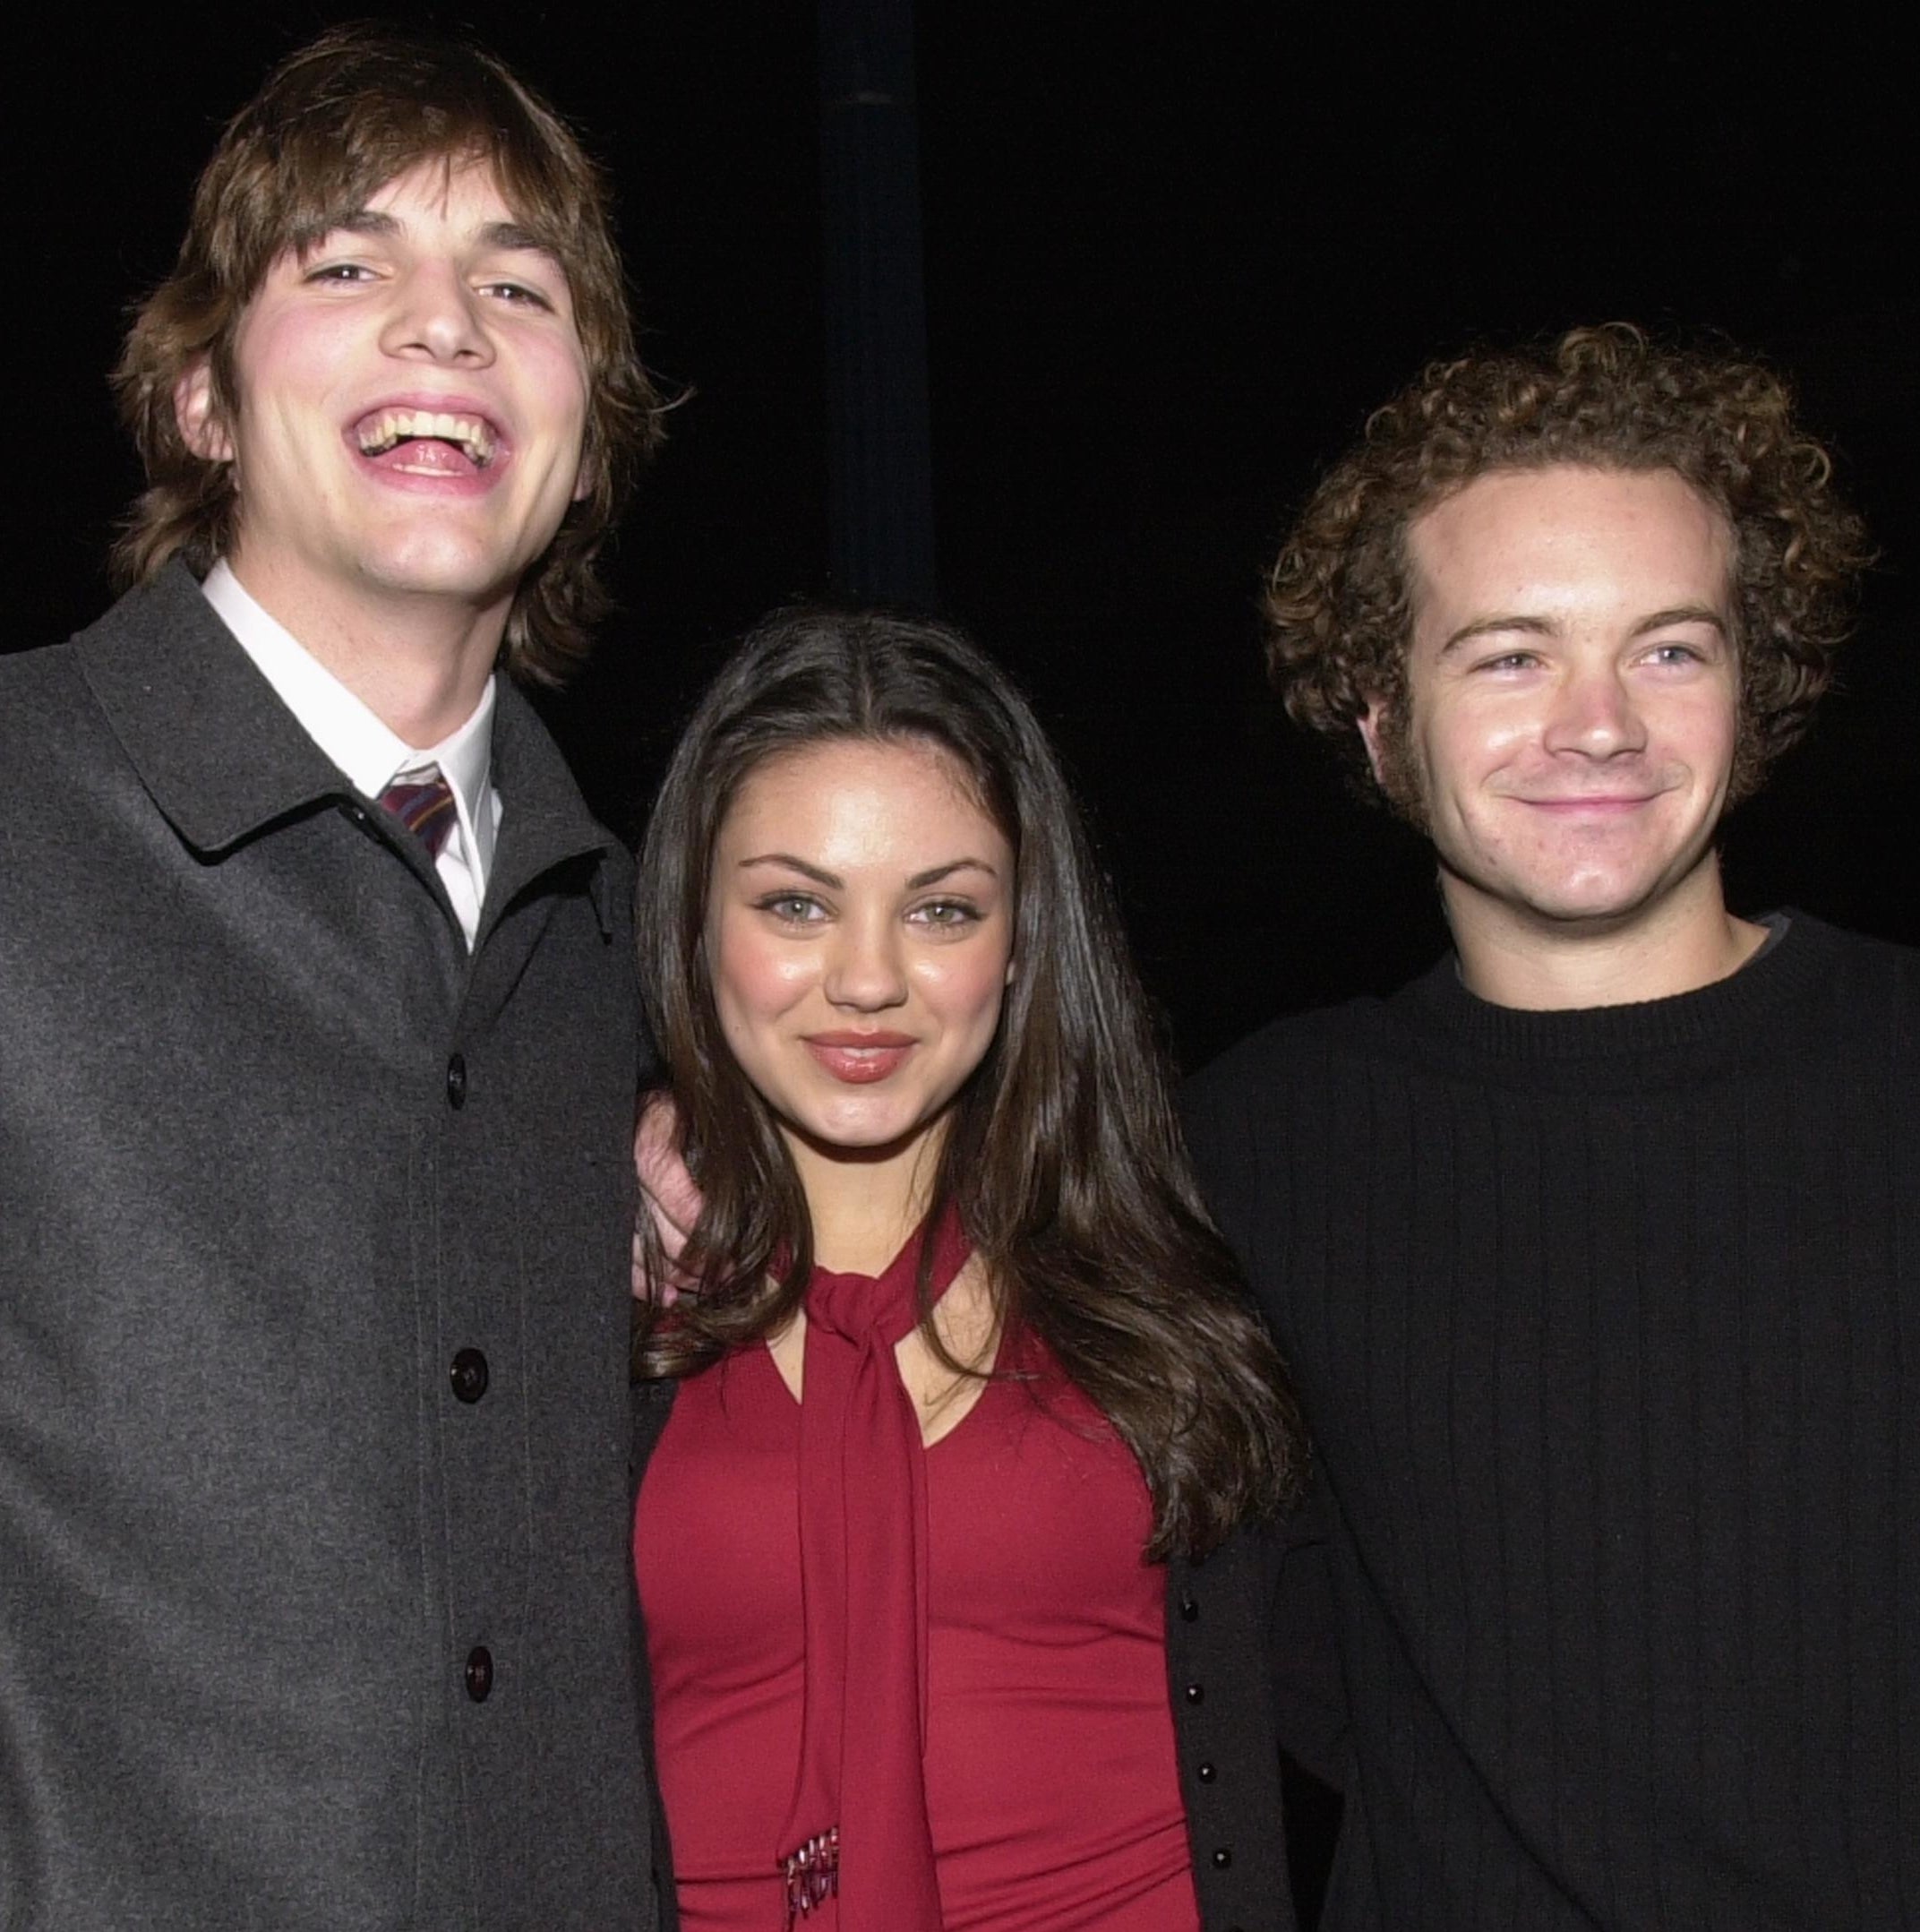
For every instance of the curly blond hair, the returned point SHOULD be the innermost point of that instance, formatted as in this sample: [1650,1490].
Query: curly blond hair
[1339,600]
[332,124]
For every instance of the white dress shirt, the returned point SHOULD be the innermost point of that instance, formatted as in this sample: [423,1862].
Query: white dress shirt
[370,755]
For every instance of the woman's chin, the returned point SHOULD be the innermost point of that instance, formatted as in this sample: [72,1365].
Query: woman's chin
[863,1137]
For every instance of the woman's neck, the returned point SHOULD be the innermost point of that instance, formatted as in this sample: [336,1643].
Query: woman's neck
[864,1207]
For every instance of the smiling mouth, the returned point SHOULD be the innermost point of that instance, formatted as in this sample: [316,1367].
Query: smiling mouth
[1610,802]
[859,1061]
[386,429]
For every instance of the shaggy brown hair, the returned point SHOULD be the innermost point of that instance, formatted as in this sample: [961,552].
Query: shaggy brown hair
[1063,1158]
[333,124]
[1338,602]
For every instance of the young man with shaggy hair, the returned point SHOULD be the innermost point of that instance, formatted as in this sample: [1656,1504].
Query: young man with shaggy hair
[317,1066]
[1596,1251]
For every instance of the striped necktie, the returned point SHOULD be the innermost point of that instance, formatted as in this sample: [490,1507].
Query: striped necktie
[422,803]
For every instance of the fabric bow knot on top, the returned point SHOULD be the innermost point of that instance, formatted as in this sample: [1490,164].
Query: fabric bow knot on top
[858,1830]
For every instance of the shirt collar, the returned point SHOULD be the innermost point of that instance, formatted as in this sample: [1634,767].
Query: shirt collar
[343,726]
[179,694]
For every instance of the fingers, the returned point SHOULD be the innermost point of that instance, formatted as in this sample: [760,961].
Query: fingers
[665,1289]
[670,1204]
[668,1188]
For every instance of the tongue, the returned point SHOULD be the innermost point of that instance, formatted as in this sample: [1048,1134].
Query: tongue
[426,455]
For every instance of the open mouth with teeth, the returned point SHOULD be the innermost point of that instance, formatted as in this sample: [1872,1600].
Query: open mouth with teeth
[387,430]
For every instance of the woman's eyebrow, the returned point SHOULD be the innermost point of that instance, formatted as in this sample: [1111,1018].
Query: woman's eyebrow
[793,864]
[933,876]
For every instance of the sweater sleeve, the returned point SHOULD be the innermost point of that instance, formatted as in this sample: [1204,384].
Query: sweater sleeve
[1309,1697]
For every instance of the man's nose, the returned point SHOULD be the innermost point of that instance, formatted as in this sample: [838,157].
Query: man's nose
[436,317]
[1594,714]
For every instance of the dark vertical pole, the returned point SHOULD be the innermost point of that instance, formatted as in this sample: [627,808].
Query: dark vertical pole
[879,445]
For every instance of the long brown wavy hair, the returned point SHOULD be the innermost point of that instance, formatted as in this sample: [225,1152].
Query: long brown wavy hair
[332,125]
[1338,601]
[1062,1156]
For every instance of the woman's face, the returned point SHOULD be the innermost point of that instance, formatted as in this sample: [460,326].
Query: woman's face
[860,936]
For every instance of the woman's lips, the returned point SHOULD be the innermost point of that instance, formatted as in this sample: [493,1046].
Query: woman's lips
[859,1059]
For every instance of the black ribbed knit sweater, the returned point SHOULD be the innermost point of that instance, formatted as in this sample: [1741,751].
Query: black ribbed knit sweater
[1608,1326]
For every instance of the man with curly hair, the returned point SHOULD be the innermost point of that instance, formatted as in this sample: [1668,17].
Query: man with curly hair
[1596,1251]
[317,1063]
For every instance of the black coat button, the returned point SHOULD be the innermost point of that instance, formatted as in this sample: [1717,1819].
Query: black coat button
[1222,1859]
[457,1081]
[1207,1773]
[479,1672]
[468,1375]
[1189,1606]
[1196,1693]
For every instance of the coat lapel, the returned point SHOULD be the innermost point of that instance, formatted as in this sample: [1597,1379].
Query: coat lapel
[223,757]
[220,754]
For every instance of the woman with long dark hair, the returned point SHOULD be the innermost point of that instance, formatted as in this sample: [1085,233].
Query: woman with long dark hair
[962,1387]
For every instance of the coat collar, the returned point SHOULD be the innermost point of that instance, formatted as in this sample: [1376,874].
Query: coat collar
[545,821]
[223,759]
[217,752]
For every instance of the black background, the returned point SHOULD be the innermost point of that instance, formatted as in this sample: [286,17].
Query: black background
[1173,256]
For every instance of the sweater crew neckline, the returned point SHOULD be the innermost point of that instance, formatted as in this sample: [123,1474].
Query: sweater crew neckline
[1743,1009]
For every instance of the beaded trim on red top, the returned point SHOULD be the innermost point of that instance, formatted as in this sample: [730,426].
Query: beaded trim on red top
[812,1874]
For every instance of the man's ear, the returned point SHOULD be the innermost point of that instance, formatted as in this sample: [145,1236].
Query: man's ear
[1370,724]
[200,427]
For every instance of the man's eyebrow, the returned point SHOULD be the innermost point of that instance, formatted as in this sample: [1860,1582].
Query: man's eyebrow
[1501,622]
[1539,627]
[361,221]
[376,223]
[514,235]
[1682,613]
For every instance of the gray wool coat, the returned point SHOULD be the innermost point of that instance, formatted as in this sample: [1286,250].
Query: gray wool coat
[315,1606]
